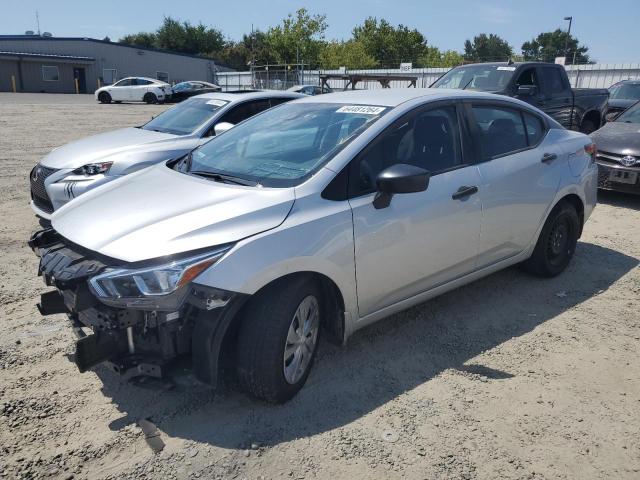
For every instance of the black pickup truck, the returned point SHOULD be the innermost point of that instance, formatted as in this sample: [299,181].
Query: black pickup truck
[543,85]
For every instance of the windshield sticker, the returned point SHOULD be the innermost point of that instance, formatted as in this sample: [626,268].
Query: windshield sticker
[508,69]
[217,103]
[363,109]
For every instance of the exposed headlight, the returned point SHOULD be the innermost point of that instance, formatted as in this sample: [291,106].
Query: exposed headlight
[152,287]
[93,168]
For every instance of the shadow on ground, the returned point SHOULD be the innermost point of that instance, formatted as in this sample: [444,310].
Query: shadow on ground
[618,199]
[383,361]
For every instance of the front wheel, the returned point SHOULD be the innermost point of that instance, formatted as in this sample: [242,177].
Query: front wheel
[104,97]
[588,126]
[557,242]
[278,339]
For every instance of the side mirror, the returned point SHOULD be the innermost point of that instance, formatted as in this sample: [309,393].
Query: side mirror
[527,90]
[399,178]
[222,127]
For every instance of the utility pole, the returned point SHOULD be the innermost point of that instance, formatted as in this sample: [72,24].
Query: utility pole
[566,40]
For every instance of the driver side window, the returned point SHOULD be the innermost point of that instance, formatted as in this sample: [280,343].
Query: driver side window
[528,77]
[428,139]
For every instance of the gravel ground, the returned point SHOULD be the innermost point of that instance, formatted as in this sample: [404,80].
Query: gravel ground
[510,377]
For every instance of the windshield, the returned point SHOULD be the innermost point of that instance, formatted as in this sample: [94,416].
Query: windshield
[631,115]
[487,78]
[625,91]
[186,117]
[182,86]
[284,145]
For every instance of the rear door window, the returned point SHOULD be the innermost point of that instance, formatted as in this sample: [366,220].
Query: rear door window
[500,130]
[552,80]
[535,128]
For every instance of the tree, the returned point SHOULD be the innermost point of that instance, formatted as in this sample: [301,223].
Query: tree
[299,38]
[253,48]
[141,39]
[350,54]
[187,38]
[180,37]
[390,45]
[549,45]
[487,48]
[433,57]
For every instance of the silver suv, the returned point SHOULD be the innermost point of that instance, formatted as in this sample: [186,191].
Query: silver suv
[317,217]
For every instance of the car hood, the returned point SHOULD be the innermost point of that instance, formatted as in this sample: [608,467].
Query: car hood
[618,137]
[98,147]
[158,211]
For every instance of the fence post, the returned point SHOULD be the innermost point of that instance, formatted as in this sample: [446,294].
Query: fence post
[13,83]
[75,80]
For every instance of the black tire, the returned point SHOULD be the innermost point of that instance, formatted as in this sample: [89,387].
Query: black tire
[588,126]
[117,101]
[263,337]
[557,242]
[150,97]
[104,97]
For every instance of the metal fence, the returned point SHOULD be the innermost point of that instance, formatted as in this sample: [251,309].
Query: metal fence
[601,75]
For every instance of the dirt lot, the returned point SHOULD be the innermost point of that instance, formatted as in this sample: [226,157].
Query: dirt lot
[510,377]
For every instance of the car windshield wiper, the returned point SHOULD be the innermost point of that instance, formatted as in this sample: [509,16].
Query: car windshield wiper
[223,177]
[468,83]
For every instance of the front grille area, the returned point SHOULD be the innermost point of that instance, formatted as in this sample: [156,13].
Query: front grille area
[38,192]
[603,181]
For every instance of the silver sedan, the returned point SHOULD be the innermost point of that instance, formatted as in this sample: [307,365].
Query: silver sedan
[75,168]
[313,219]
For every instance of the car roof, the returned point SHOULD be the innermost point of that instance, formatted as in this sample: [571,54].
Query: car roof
[392,97]
[236,97]
[632,81]
[155,80]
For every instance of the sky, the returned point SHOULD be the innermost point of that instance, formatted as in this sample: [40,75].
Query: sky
[610,31]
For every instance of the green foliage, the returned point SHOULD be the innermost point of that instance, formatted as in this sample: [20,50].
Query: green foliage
[390,45]
[433,57]
[252,49]
[549,45]
[180,37]
[350,54]
[487,48]
[299,38]
[141,39]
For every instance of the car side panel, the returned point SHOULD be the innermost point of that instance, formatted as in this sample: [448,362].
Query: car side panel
[317,236]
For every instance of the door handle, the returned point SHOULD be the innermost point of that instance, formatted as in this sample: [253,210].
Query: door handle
[548,157]
[464,192]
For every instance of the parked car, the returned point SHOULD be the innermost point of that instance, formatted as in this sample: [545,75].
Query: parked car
[247,250]
[310,89]
[621,96]
[618,154]
[543,85]
[75,168]
[134,89]
[183,90]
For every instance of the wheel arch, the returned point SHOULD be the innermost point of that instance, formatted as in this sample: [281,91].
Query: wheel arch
[593,116]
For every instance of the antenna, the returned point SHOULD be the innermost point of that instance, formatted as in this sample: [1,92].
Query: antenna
[38,22]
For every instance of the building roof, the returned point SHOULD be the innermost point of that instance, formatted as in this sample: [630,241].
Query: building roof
[48,56]
[95,40]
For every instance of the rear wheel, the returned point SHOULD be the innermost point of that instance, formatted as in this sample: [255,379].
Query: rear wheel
[588,126]
[278,339]
[150,97]
[104,97]
[557,242]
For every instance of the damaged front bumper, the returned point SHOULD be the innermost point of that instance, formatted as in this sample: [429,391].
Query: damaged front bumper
[132,342]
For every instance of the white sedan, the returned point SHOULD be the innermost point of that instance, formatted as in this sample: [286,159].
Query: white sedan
[134,89]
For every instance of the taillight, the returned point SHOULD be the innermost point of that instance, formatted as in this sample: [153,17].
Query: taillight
[591,149]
